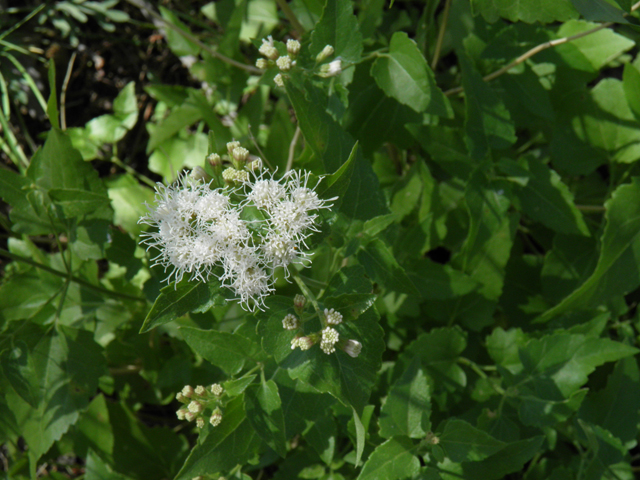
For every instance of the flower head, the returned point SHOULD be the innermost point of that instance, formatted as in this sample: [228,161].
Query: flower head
[352,348]
[284,63]
[330,337]
[303,343]
[268,49]
[216,418]
[293,47]
[326,52]
[202,231]
[216,389]
[331,69]
[278,80]
[332,317]
[290,322]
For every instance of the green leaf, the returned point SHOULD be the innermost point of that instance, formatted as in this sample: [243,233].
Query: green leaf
[76,203]
[264,412]
[338,27]
[228,351]
[26,217]
[617,271]
[464,442]
[616,408]
[380,265]
[631,86]
[348,379]
[510,459]
[177,299]
[392,460]
[330,143]
[52,102]
[599,11]
[232,442]
[488,123]
[372,117]
[566,360]
[360,436]
[503,347]
[598,48]
[67,364]
[403,74]
[486,250]
[19,369]
[567,265]
[127,199]
[529,11]
[177,42]
[439,350]
[546,198]
[408,405]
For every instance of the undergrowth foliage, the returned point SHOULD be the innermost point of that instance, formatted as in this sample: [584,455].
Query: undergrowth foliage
[381,240]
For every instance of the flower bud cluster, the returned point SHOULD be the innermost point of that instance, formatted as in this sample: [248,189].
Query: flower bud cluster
[196,401]
[203,231]
[328,337]
[284,63]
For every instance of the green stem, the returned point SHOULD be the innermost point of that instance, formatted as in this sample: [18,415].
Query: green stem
[128,169]
[194,39]
[307,293]
[286,9]
[443,28]
[71,278]
[478,370]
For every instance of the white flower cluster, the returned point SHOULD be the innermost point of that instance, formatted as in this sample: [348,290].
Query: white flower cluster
[200,228]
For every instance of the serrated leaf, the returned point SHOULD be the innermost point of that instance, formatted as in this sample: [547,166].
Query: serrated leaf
[598,48]
[176,300]
[599,11]
[617,271]
[403,74]
[67,363]
[392,460]
[19,369]
[76,202]
[380,265]
[509,459]
[439,350]
[488,123]
[464,442]
[225,350]
[529,11]
[232,442]
[348,379]
[408,405]
[547,199]
[616,407]
[339,28]
[264,412]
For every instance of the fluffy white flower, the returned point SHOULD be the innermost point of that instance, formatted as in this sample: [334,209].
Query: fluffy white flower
[199,229]
[266,194]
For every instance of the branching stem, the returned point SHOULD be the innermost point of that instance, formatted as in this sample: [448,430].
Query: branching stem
[443,28]
[214,53]
[539,48]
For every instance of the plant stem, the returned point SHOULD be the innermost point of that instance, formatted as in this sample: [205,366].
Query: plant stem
[307,293]
[443,28]
[128,169]
[295,23]
[539,48]
[71,278]
[63,93]
[214,53]
[292,149]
